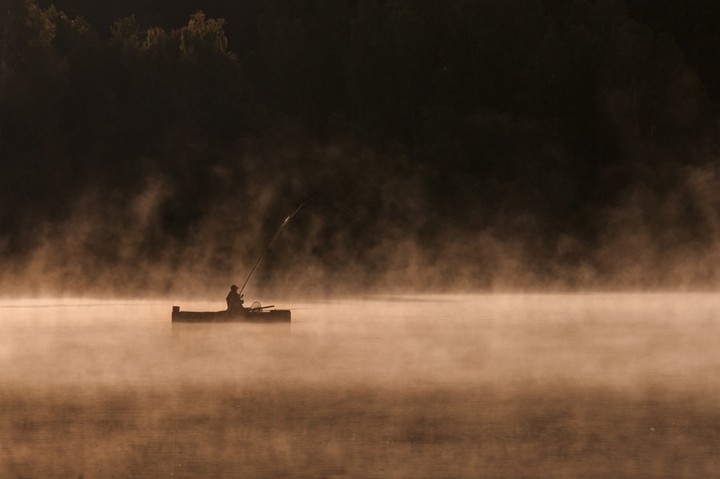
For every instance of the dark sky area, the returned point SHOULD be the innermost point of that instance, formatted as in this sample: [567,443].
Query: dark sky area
[150,147]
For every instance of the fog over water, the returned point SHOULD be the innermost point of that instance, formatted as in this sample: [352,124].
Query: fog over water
[610,340]
[555,382]
[152,150]
[538,145]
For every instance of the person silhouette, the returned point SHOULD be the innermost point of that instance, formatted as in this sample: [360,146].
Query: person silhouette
[234,300]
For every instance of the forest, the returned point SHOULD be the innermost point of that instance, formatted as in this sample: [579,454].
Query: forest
[446,145]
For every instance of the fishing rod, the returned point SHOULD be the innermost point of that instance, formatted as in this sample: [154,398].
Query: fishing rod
[287,220]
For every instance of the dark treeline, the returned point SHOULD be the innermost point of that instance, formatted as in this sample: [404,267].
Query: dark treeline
[484,143]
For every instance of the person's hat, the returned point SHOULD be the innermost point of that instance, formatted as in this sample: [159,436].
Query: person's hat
[233,287]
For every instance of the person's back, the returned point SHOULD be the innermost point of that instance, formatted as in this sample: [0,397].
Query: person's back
[234,300]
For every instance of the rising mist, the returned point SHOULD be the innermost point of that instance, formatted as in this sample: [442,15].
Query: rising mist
[446,146]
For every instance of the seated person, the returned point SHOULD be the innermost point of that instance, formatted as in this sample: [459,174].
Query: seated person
[234,300]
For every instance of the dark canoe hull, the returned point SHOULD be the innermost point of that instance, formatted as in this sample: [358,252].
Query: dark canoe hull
[248,316]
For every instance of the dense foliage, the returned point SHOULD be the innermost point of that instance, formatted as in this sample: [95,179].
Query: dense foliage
[477,143]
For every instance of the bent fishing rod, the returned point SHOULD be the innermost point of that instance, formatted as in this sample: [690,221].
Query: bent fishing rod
[287,220]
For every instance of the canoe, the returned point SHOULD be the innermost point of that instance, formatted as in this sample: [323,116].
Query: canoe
[258,315]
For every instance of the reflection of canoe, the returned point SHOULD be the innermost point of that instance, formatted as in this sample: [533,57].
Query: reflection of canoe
[259,315]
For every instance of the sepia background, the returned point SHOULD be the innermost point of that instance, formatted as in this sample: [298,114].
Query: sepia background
[506,264]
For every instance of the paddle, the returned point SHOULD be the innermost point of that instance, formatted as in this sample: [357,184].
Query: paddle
[260,308]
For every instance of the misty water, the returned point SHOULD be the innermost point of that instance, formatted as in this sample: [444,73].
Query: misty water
[583,385]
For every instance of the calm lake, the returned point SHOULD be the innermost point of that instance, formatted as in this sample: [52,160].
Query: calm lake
[501,386]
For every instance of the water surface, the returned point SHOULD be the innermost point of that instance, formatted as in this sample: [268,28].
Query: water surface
[601,385]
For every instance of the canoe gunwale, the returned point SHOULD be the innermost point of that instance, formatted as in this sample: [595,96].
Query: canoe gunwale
[247,315]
